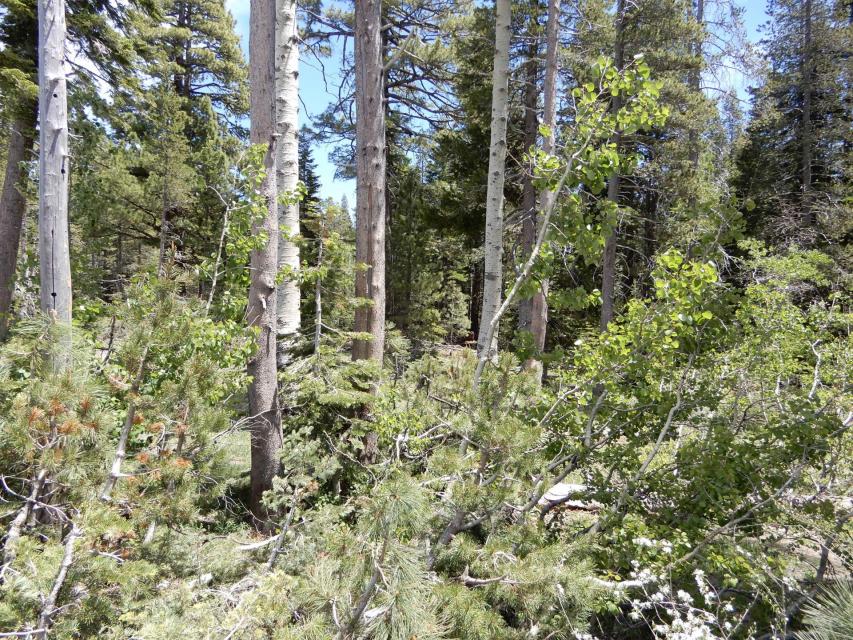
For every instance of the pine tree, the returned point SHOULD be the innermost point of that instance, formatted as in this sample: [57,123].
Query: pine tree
[795,164]
[370,183]
[260,315]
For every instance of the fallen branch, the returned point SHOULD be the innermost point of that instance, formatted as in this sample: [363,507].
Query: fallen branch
[49,608]
[17,524]
[121,449]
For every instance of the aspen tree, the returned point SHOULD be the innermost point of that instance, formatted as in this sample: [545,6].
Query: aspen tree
[288,318]
[493,272]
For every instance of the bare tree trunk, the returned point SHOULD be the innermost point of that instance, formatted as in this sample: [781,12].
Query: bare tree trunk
[165,205]
[288,318]
[14,533]
[608,261]
[261,311]
[493,275]
[124,434]
[528,190]
[54,250]
[370,182]
[318,295]
[13,204]
[806,157]
[696,85]
[539,319]
[50,609]
[538,323]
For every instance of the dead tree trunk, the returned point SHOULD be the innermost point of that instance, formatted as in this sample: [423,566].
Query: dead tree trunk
[54,249]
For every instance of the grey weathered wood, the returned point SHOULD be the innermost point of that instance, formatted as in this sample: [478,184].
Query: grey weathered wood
[54,163]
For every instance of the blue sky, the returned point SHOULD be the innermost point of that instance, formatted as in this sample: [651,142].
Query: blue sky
[315,98]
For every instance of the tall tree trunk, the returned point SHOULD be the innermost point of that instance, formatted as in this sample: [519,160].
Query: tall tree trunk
[318,292]
[493,272]
[806,88]
[696,85]
[539,320]
[261,311]
[539,302]
[370,182]
[54,250]
[288,318]
[13,204]
[528,190]
[608,261]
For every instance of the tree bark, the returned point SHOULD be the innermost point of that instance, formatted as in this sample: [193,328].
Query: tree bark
[13,205]
[806,154]
[528,190]
[54,250]
[696,85]
[370,182]
[539,320]
[493,271]
[288,319]
[261,312]
[538,323]
[49,610]
[608,261]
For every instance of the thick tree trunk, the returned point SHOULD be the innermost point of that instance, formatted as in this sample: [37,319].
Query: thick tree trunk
[370,182]
[54,250]
[806,152]
[493,272]
[288,318]
[261,311]
[13,205]
[608,261]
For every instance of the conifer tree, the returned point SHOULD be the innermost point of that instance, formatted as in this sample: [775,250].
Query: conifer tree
[370,183]
[795,183]
[261,313]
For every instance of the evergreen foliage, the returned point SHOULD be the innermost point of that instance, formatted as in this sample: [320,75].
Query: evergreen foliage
[684,474]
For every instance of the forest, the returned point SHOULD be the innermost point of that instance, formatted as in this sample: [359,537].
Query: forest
[426,319]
